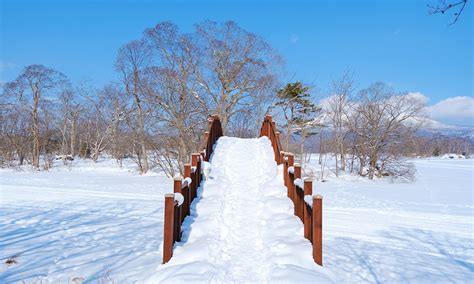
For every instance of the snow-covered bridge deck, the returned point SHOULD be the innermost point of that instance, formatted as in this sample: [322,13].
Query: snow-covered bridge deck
[243,227]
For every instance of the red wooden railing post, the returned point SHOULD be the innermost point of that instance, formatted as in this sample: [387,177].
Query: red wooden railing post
[178,214]
[269,129]
[195,163]
[318,229]
[168,238]
[177,184]
[277,138]
[308,190]
[295,193]
[201,163]
[174,212]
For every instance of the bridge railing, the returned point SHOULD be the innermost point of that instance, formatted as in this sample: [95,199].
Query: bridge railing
[211,135]
[178,203]
[307,207]
[300,191]
[269,129]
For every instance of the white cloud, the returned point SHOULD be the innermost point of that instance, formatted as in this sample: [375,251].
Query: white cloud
[453,108]
[418,96]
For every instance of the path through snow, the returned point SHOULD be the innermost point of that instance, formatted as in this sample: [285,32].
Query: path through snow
[245,229]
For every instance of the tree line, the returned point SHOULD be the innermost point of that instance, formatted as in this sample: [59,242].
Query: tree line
[168,82]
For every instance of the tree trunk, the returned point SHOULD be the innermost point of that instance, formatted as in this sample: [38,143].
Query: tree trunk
[73,136]
[343,156]
[35,130]
[141,125]
[303,137]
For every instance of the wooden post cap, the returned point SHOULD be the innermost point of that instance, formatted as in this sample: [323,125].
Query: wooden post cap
[317,197]
[177,184]
[291,158]
[187,170]
[169,195]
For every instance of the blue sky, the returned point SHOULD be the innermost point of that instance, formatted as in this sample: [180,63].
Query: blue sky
[392,41]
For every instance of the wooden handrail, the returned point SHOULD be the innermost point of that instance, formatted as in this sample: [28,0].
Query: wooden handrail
[214,131]
[269,129]
[187,187]
[298,190]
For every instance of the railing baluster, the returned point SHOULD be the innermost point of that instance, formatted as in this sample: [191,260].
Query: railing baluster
[318,229]
[308,190]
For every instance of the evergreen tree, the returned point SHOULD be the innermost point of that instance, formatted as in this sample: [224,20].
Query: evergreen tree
[298,109]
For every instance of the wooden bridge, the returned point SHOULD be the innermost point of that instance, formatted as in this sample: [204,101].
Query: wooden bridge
[178,205]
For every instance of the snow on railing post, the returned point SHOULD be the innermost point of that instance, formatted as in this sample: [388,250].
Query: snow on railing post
[201,164]
[296,200]
[289,179]
[193,184]
[178,214]
[209,123]
[318,229]
[187,188]
[195,164]
[187,174]
[308,190]
[168,238]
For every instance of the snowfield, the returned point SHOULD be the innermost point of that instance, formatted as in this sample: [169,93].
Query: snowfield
[382,232]
[95,222]
[98,223]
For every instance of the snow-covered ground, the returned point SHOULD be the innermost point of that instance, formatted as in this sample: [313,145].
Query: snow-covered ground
[97,222]
[94,222]
[382,232]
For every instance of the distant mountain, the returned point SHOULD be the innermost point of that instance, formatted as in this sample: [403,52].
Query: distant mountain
[434,127]
[430,127]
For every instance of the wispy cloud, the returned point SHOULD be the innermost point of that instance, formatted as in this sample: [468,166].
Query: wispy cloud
[294,38]
[4,66]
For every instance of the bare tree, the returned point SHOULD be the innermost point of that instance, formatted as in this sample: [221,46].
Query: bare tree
[443,6]
[171,88]
[337,109]
[30,87]
[379,118]
[237,66]
[99,125]
[132,59]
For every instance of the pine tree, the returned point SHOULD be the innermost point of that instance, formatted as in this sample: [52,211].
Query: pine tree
[298,109]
